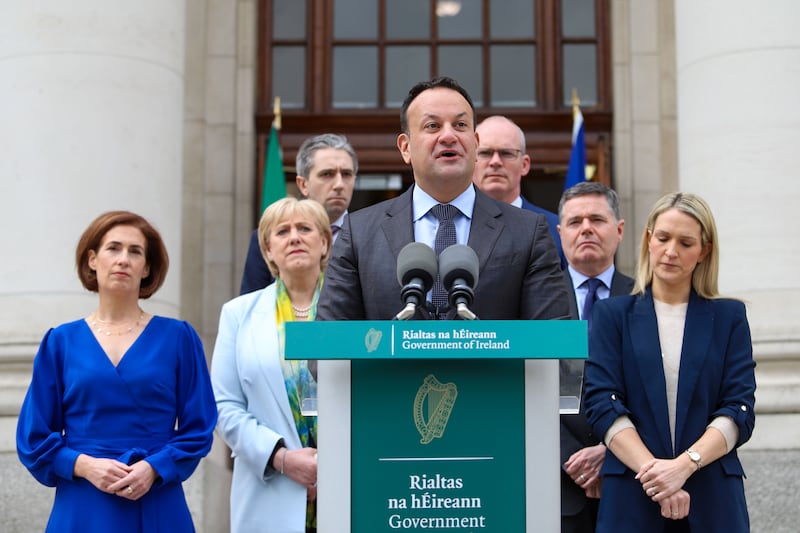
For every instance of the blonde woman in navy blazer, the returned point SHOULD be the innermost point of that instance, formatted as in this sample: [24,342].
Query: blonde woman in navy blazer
[670,384]
[274,461]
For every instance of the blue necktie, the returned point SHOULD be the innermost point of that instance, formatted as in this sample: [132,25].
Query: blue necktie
[445,236]
[592,285]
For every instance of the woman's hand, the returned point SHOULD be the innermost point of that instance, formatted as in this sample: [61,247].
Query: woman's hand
[301,466]
[676,506]
[102,473]
[661,478]
[137,483]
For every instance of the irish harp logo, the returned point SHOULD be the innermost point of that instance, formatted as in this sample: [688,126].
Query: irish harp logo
[372,339]
[435,400]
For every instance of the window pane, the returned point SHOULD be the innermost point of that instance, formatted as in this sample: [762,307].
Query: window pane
[288,19]
[289,76]
[463,64]
[577,18]
[408,19]
[513,78]
[510,19]
[355,76]
[405,66]
[354,19]
[459,19]
[580,72]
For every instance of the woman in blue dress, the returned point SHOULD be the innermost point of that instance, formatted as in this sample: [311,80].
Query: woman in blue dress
[120,409]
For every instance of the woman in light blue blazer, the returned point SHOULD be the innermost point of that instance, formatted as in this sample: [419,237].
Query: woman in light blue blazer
[670,384]
[259,393]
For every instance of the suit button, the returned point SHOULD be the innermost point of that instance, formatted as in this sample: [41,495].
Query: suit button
[613,396]
[744,408]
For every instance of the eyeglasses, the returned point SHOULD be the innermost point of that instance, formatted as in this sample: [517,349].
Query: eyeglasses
[506,154]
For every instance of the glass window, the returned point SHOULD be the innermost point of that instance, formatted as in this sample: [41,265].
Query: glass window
[580,72]
[288,19]
[288,76]
[459,19]
[577,18]
[510,19]
[513,76]
[354,19]
[408,19]
[463,63]
[405,66]
[355,76]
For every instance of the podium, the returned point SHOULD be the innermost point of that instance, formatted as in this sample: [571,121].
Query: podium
[438,425]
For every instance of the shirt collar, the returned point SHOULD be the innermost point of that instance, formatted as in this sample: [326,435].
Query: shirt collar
[422,202]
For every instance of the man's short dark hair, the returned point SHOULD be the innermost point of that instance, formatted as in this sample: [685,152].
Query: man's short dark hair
[441,81]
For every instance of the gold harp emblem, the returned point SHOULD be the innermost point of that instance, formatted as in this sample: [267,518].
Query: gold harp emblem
[435,400]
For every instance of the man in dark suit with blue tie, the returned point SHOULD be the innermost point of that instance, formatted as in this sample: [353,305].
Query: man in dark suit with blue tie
[591,230]
[519,270]
[502,162]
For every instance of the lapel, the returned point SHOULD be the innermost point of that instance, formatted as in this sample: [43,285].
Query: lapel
[621,285]
[696,342]
[647,358]
[265,349]
[397,223]
[485,227]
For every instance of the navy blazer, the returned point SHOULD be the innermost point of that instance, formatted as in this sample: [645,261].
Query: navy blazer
[625,376]
[519,273]
[552,225]
[576,433]
[256,274]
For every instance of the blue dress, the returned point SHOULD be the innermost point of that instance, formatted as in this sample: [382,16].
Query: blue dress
[157,404]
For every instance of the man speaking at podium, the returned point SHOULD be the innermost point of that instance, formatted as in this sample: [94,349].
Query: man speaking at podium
[519,269]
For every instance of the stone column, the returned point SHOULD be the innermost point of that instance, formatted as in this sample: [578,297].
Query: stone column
[91,100]
[739,132]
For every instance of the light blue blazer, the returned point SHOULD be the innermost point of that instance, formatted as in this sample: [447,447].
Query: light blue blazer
[254,414]
[625,376]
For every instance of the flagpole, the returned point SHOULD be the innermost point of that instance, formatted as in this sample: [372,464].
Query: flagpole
[276,111]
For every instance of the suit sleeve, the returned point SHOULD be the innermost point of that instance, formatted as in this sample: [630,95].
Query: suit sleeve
[737,393]
[544,287]
[604,394]
[249,440]
[341,296]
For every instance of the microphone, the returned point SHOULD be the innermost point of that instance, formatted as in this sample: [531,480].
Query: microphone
[458,268]
[416,270]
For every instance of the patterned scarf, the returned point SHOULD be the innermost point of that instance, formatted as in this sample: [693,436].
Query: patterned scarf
[295,375]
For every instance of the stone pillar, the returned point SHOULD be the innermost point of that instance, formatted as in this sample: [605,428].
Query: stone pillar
[739,132]
[91,100]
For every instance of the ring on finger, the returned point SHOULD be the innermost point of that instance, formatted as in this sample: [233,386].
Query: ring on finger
[582,477]
[129,490]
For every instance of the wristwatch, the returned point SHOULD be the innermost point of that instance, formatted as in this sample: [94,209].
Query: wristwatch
[695,457]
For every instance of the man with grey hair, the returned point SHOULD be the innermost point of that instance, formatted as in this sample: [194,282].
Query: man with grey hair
[591,230]
[326,167]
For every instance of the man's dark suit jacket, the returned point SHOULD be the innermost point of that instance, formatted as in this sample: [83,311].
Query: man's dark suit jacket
[576,433]
[519,272]
[256,274]
[552,223]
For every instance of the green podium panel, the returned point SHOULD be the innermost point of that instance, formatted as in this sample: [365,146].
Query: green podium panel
[438,445]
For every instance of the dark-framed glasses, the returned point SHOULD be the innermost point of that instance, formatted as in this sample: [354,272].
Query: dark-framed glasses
[506,154]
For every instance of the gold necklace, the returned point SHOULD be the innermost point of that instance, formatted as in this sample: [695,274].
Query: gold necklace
[104,330]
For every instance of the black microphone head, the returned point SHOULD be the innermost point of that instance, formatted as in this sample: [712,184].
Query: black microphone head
[458,262]
[417,260]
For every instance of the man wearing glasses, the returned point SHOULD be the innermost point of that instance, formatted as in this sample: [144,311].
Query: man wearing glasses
[502,162]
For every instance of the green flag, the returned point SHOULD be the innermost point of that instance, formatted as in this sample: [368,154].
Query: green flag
[274,185]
